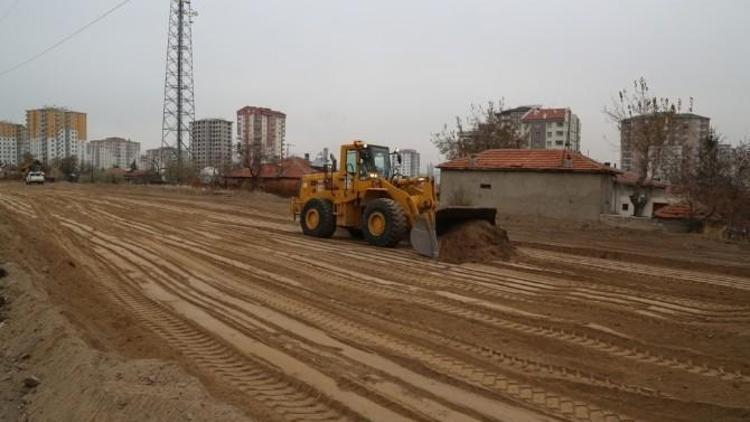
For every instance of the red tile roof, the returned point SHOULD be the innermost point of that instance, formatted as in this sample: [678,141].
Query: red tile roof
[677,211]
[543,114]
[528,160]
[290,168]
[117,171]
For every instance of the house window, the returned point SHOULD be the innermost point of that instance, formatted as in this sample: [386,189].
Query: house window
[549,134]
[625,207]
[559,133]
[485,186]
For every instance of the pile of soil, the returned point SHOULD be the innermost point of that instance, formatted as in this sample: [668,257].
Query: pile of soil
[475,241]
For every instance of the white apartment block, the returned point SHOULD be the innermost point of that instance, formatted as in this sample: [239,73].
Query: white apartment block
[211,143]
[157,159]
[112,152]
[56,133]
[12,143]
[410,163]
[262,126]
[552,128]
[689,130]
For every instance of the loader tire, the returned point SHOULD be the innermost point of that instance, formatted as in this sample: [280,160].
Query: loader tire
[318,219]
[384,223]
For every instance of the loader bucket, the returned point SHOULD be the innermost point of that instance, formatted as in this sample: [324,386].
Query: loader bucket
[423,236]
[428,226]
[445,218]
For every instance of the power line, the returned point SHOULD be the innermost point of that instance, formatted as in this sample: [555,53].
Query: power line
[62,41]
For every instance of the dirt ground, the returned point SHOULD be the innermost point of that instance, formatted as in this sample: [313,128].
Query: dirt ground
[169,304]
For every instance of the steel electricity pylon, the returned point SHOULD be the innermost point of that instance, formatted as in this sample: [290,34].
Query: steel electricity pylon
[179,97]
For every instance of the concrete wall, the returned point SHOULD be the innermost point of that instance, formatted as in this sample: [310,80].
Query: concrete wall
[569,196]
[621,200]
[646,223]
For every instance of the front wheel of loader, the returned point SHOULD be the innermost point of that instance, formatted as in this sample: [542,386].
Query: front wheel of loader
[317,218]
[384,223]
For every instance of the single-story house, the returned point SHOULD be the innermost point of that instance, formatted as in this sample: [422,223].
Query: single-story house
[530,182]
[281,178]
[659,195]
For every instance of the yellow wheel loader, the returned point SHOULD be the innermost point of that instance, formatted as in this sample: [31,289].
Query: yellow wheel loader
[370,199]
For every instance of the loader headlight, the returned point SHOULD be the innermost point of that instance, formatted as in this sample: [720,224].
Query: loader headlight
[373,175]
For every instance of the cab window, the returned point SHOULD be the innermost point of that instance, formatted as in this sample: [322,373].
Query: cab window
[351,162]
[376,160]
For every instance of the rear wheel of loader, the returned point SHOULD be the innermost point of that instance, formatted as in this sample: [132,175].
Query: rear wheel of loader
[317,218]
[384,223]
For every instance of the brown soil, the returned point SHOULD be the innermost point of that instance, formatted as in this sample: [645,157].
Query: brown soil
[78,381]
[475,241]
[207,304]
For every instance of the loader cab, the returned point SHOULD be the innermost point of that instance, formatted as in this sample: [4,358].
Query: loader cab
[363,161]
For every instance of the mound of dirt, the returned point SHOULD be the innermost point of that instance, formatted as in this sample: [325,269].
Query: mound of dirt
[475,241]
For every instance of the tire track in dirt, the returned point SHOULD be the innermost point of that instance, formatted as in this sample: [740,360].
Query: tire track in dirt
[459,370]
[532,284]
[507,360]
[519,364]
[651,270]
[584,340]
[106,243]
[517,286]
[481,352]
[17,205]
[208,229]
[282,398]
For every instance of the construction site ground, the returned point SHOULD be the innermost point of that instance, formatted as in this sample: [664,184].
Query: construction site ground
[169,304]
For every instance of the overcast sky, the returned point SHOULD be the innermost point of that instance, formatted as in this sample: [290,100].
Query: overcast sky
[391,72]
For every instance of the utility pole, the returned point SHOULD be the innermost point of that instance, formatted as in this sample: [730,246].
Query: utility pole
[179,97]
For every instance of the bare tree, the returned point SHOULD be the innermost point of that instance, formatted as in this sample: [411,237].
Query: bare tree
[28,162]
[715,182]
[652,122]
[253,157]
[482,130]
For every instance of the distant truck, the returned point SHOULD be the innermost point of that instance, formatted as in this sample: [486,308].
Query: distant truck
[35,177]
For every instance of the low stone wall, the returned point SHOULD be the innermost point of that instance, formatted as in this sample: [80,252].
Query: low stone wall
[645,223]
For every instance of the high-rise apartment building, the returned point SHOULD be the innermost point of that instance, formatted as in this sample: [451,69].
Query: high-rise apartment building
[262,126]
[112,152]
[211,143]
[56,133]
[687,131]
[552,128]
[513,117]
[13,143]
[409,162]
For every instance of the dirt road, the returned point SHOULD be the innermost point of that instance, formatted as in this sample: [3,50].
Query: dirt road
[292,328]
